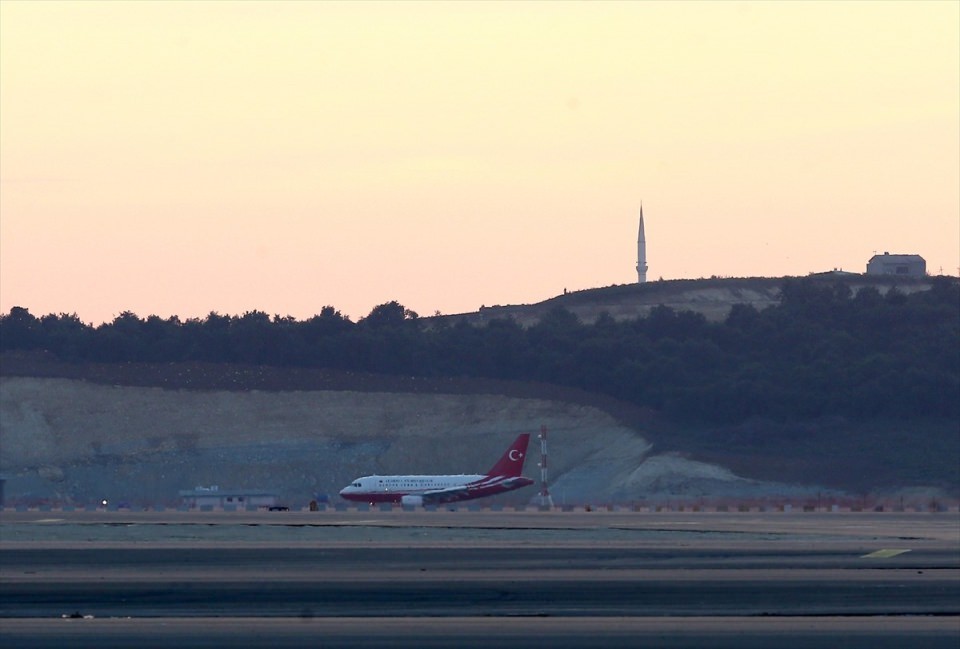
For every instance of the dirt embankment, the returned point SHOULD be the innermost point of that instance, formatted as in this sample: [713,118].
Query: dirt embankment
[76,440]
[141,433]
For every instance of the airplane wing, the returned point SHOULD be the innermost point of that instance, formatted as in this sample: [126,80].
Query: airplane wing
[447,495]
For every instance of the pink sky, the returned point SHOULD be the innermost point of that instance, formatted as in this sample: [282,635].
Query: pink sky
[181,158]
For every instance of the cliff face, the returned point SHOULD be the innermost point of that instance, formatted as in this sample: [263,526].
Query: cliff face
[74,442]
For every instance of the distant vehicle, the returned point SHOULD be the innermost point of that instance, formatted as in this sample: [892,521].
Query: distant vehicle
[419,490]
[278,508]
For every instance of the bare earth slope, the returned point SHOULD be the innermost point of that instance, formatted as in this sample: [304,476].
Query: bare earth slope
[82,439]
[78,439]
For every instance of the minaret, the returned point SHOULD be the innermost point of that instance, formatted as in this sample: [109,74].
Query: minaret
[641,252]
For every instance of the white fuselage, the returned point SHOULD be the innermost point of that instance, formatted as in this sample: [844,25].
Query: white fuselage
[375,488]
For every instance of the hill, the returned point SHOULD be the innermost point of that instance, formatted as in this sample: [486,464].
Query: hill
[713,298]
[76,430]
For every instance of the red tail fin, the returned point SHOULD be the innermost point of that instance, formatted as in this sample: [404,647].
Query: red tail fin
[511,464]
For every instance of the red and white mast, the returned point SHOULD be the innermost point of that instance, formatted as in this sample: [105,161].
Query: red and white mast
[545,499]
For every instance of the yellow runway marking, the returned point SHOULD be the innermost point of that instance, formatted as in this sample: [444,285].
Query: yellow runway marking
[883,554]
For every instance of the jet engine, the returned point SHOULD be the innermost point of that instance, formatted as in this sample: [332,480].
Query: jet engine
[411,501]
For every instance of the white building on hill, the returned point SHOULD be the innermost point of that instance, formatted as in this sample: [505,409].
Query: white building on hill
[903,265]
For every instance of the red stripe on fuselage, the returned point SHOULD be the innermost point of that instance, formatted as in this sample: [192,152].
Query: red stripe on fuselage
[488,486]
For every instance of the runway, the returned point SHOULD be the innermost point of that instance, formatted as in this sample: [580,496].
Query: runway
[359,579]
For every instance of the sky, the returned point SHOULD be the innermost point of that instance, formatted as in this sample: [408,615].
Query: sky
[179,158]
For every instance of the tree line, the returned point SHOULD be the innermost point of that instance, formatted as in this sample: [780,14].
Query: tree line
[824,350]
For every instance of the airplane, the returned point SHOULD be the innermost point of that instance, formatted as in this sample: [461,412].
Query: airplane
[417,490]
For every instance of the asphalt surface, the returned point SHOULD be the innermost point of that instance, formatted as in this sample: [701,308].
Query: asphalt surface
[479,579]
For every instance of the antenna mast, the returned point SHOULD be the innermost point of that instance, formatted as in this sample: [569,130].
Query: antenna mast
[545,499]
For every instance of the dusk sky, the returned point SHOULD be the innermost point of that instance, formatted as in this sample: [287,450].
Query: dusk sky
[178,158]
